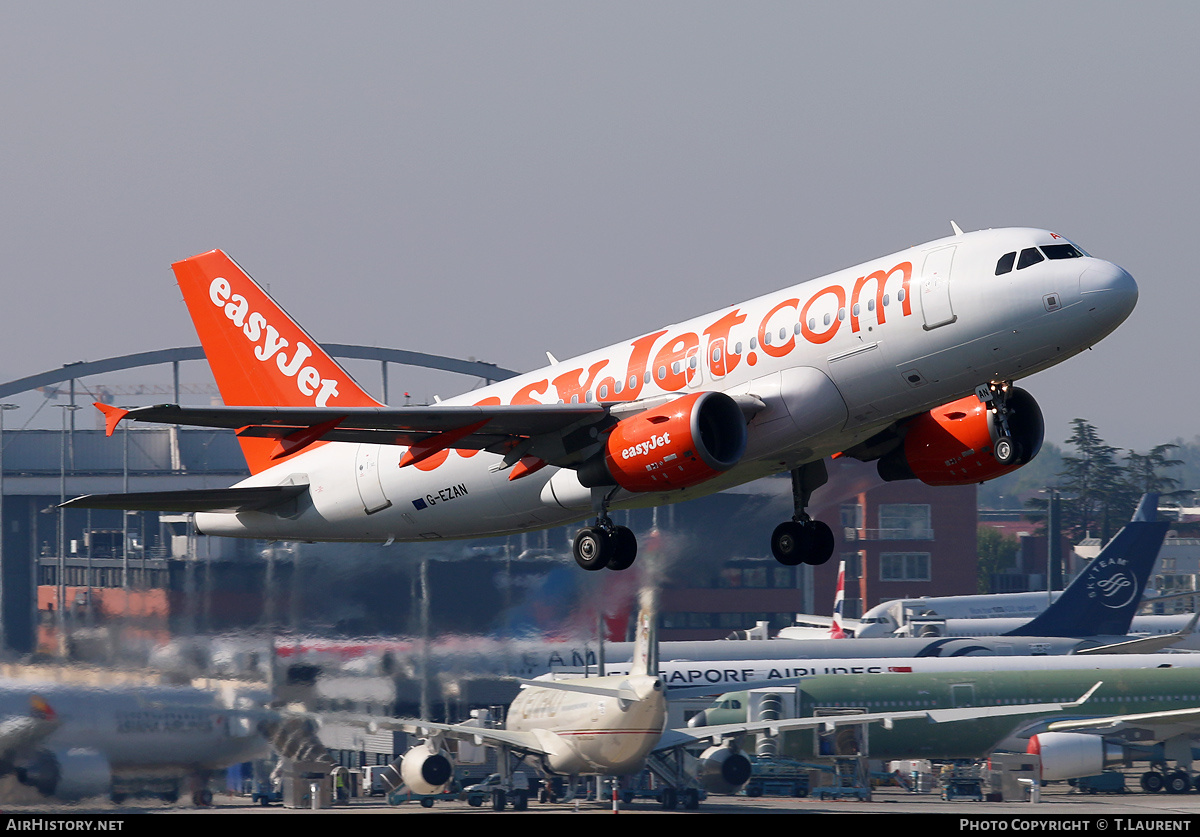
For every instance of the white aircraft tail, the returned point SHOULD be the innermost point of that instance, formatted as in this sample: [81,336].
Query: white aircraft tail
[645,645]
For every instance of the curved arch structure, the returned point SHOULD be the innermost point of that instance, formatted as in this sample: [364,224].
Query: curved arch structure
[478,369]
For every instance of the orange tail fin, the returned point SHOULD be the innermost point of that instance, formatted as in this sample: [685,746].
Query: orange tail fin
[259,355]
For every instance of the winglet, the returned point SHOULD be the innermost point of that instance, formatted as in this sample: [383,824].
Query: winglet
[1085,697]
[112,416]
[40,709]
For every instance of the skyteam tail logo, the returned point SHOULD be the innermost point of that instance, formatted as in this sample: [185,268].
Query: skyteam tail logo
[1112,583]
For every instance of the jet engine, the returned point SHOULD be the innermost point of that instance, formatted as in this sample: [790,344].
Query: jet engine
[723,769]
[682,443]
[425,769]
[67,774]
[960,443]
[1071,755]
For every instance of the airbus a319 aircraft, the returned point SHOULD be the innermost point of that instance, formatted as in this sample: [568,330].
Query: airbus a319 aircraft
[907,360]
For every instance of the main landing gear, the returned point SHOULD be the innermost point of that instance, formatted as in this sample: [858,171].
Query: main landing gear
[803,540]
[604,544]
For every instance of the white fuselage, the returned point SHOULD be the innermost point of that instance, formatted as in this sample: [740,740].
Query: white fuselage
[592,734]
[151,731]
[886,618]
[834,360]
[1147,625]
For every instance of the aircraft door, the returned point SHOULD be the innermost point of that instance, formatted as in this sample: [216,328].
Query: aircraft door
[367,476]
[962,694]
[935,288]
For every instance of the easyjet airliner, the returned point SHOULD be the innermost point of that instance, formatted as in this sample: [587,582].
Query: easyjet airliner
[907,360]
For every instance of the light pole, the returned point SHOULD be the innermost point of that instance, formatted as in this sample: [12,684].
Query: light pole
[67,409]
[3,567]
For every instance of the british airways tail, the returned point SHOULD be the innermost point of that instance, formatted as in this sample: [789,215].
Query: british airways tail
[836,631]
[1103,600]
[259,355]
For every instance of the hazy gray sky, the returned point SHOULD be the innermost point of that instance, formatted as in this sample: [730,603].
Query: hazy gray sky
[496,179]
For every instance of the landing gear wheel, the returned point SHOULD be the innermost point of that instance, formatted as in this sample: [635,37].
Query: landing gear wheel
[1178,782]
[1006,450]
[822,543]
[520,801]
[592,548]
[623,546]
[1152,782]
[802,542]
[791,542]
[670,800]
[498,800]
[690,799]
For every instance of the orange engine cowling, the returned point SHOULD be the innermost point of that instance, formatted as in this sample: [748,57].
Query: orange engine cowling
[682,443]
[956,444]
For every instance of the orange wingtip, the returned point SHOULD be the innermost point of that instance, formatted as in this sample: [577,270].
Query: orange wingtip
[40,709]
[112,416]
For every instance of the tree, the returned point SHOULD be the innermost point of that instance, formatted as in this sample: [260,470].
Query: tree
[997,552]
[1093,484]
[1143,470]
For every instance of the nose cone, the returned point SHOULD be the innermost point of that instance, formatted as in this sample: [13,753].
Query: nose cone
[1109,294]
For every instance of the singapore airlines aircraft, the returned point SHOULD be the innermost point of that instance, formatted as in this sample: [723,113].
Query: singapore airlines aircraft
[907,360]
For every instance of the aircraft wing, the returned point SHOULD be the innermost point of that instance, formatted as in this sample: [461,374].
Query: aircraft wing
[1145,644]
[523,742]
[718,732]
[380,425]
[248,498]
[558,434]
[1160,725]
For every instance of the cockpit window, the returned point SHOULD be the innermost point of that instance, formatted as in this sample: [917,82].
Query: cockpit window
[1005,264]
[1061,251]
[1029,256]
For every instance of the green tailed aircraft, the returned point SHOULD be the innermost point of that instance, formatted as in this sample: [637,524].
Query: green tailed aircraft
[1130,712]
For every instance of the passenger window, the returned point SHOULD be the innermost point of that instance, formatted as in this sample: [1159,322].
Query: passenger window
[1029,256]
[1006,263]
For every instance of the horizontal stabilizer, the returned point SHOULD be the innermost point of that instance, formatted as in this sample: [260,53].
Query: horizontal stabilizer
[250,498]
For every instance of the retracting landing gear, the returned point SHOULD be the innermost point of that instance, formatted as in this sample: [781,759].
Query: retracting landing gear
[803,540]
[604,544]
[995,396]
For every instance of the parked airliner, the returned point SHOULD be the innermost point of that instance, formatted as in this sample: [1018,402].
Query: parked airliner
[907,360]
[72,741]
[614,726]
